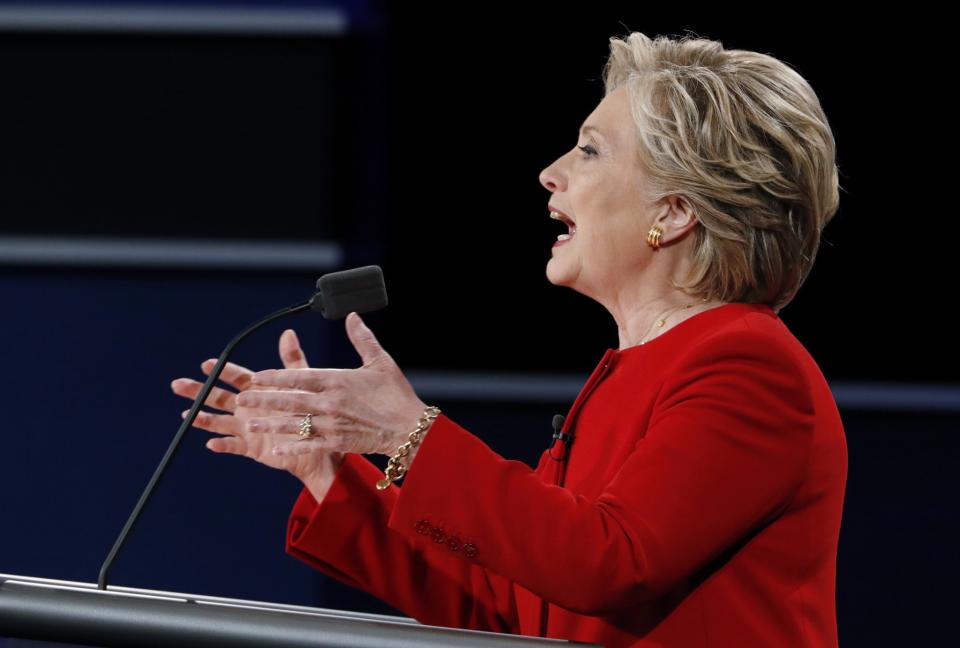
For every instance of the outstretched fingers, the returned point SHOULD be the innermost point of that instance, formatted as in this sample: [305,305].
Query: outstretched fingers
[226,424]
[219,423]
[218,398]
[290,352]
[232,374]
[229,445]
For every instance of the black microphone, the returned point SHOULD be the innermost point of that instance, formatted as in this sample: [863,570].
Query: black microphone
[557,434]
[338,293]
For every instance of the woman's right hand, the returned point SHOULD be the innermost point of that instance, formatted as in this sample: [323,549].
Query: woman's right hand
[315,469]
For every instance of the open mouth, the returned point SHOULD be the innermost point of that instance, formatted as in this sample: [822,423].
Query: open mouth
[572,227]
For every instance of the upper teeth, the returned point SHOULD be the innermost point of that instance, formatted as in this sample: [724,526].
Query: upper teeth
[557,216]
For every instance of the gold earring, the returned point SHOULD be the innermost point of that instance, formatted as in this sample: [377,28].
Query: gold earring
[653,237]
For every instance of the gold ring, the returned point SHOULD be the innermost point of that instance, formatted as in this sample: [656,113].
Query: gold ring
[306,427]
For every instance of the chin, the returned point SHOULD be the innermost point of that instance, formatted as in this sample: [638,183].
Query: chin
[558,279]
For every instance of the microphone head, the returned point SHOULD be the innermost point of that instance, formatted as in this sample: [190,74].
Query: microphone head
[357,289]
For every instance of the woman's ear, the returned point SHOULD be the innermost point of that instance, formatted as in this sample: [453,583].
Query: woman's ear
[676,217]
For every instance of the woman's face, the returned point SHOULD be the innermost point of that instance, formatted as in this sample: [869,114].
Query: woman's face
[599,185]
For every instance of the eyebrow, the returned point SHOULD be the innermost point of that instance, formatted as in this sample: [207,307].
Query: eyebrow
[587,127]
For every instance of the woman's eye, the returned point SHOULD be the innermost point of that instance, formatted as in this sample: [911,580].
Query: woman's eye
[588,150]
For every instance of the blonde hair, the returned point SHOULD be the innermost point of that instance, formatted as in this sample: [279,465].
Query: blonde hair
[742,137]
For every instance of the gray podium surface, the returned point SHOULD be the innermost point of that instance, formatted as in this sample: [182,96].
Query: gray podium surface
[42,609]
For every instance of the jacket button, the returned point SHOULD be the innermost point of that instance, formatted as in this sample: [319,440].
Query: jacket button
[438,535]
[422,527]
[454,543]
[470,550]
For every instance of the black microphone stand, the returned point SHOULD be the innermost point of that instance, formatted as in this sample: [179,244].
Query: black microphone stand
[188,422]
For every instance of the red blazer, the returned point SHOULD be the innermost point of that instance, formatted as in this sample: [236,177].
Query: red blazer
[700,505]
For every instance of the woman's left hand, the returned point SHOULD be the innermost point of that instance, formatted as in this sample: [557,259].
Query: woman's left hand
[368,410]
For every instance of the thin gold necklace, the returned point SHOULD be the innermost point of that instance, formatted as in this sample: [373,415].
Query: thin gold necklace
[663,320]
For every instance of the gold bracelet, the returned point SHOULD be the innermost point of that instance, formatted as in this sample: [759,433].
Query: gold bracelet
[395,470]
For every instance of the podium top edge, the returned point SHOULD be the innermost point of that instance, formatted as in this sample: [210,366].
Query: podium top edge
[200,598]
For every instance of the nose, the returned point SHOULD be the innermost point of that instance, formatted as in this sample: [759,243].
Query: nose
[552,178]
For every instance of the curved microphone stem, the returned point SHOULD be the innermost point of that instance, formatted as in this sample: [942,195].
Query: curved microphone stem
[187,422]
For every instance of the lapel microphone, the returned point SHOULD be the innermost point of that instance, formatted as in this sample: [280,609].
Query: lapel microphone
[557,434]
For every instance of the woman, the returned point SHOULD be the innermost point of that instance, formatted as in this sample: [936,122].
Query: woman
[699,502]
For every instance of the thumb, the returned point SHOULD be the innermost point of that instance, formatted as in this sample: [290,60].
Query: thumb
[363,339]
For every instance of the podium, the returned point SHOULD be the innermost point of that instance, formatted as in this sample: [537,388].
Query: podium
[81,613]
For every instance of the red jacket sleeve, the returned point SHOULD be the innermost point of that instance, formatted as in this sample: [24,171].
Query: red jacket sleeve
[724,451]
[346,537]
